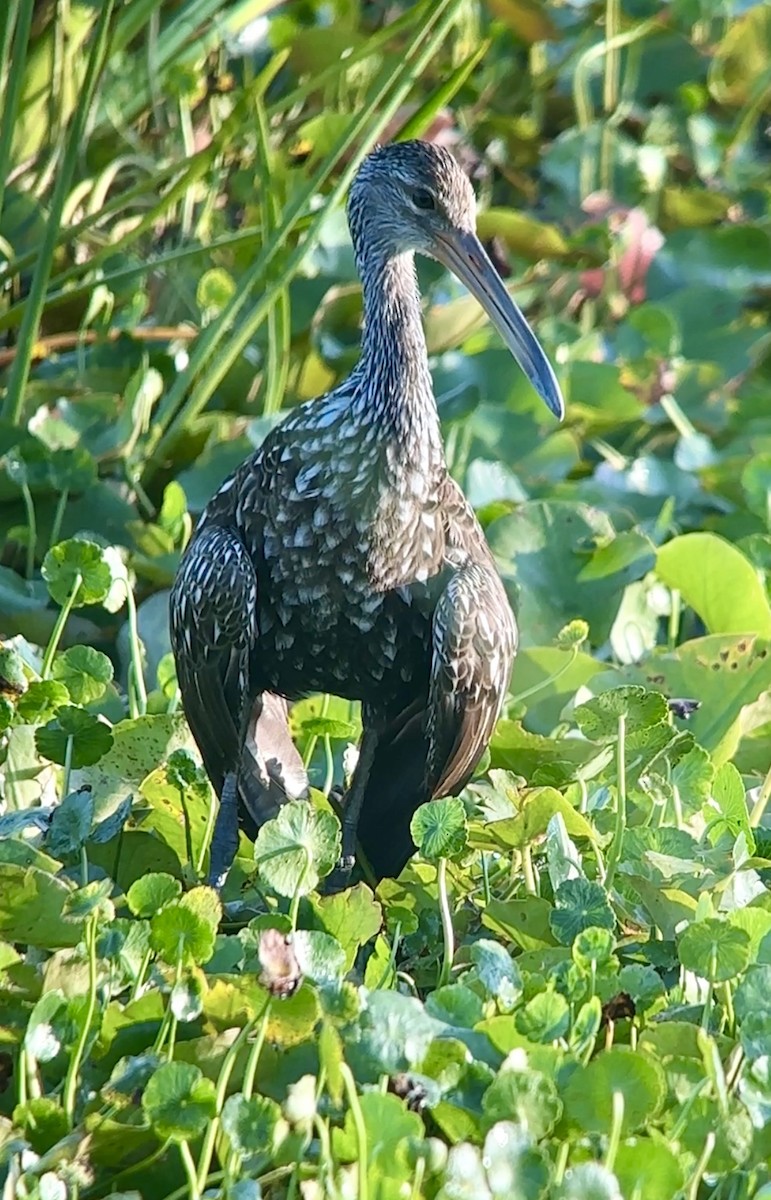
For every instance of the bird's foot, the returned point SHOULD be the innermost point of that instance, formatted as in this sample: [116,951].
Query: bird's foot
[340,878]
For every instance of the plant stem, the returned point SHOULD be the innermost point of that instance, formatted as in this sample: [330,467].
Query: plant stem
[73,1071]
[361,1130]
[247,1087]
[210,1137]
[29,508]
[528,872]
[194,1192]
[760,805]
[448,934]
[614,1139]
[139,689]
[614,856]
[701,1166]
[58,629]
[56,527]
[537,687]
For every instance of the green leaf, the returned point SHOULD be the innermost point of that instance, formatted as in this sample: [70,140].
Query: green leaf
[13,677]
[718,583]
[728,795]
[527,1097]
[714,950]
[455,1004]
[516,1168]
[753,995]
[387,1123]
[589,1181]
[31,906]
[648,1169]
[71,823]
[251,1127]
[353,917]
[43,1122]
[524,235]
[588,1097]
[580,904]
[439,828]
[320,956]
[593,949]
[178,934]
[90,900]
[72,470]
[537,807]
[80,566]
[297,849]
[537,548]
[725,672]
[41,700]
[545,1018]
[90,737]
[178,1102]
[148,895]
[496,972]
[85,673]
[47,1027]
[598,718]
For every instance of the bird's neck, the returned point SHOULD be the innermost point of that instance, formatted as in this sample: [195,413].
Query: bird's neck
[396,386]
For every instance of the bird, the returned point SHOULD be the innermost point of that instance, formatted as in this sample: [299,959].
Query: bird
[341,556]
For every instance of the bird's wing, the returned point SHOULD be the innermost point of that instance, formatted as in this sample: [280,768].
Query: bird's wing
[213,625]
[473,646]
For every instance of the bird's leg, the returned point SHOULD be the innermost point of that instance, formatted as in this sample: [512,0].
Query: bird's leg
[224,843]
[352,803]
[355,796]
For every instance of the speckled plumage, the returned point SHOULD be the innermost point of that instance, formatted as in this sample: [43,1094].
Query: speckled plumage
[341,557]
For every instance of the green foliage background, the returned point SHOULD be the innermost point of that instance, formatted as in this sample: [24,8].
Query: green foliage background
[567,994]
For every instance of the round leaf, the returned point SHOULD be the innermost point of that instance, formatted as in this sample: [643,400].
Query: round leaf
[85,673]
[598,718]
[516,1168]
[179,935]
[588,1097]
[714,950]
[77,564]
[527,1097]
[439,828]
[297,849]
[178,1101]
[148,895]
[91,737]
[544,1018]
[251,1126]
[580,905]
[41,700]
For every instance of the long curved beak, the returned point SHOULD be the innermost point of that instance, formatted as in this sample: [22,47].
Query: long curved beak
[463,254]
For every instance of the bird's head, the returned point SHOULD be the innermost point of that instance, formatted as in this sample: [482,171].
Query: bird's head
[412,197]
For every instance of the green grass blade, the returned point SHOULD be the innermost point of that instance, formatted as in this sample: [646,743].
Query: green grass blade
[390,91]
[14,398]
[19,14]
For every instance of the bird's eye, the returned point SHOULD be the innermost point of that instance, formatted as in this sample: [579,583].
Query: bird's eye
[422,198]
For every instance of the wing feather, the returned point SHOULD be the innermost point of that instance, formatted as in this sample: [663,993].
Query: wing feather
[474,640]
[213,625]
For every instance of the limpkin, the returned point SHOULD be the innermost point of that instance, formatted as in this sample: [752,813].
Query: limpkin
[342,558]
